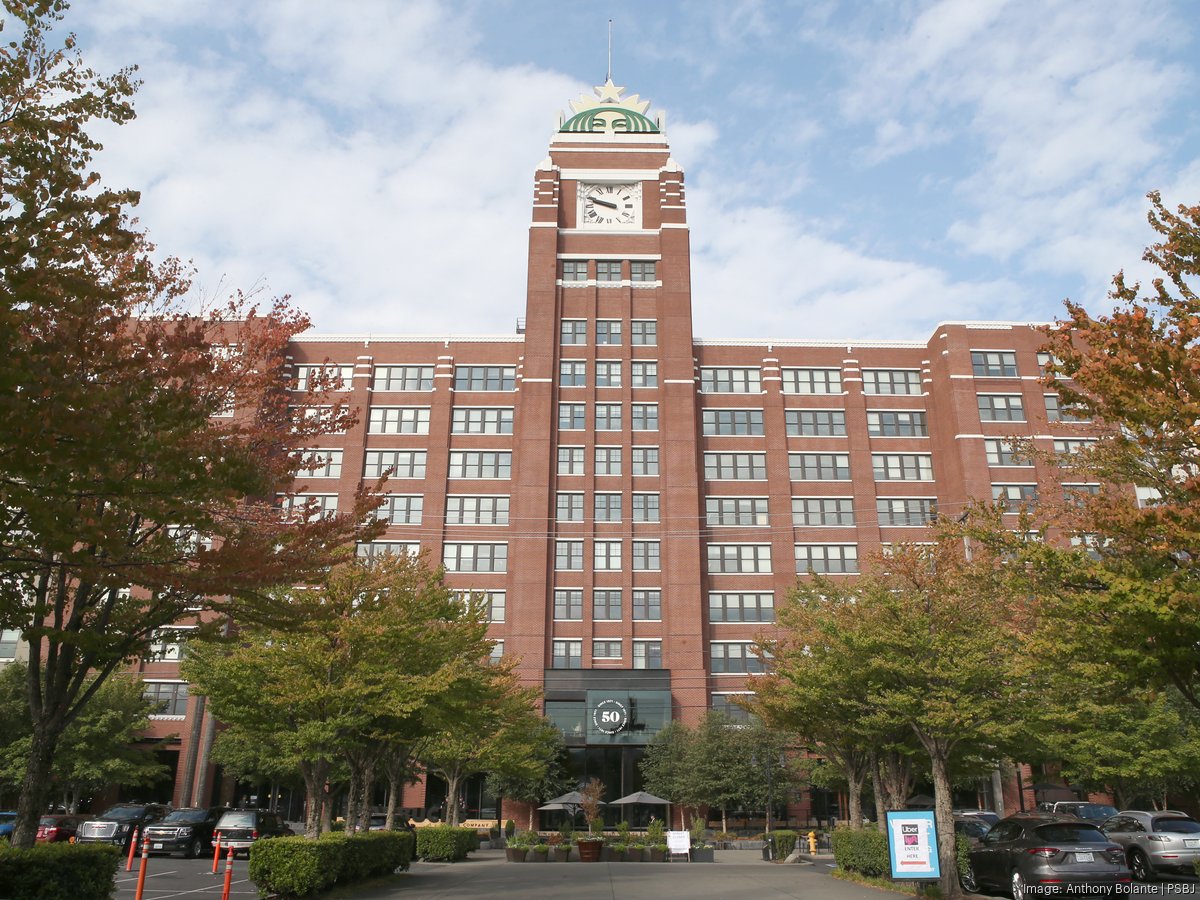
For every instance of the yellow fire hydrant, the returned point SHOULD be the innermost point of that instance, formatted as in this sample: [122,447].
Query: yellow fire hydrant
[812,842]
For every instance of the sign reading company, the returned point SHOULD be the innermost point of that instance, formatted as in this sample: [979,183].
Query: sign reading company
[912,845]
[610,715]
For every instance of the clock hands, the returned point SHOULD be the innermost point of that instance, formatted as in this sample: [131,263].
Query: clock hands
[603,202]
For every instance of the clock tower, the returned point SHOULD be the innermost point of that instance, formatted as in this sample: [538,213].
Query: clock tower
[606,606]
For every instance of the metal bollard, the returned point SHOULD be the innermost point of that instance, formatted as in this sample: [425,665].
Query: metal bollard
[812,842]
[141,885]
[216,852]
[228,875]
[132,845]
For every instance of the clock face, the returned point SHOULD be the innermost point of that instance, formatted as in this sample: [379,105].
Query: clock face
[609,204]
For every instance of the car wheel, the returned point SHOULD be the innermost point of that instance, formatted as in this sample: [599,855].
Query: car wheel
[195,848]
[968,881]
[1140,866]
[1018,886]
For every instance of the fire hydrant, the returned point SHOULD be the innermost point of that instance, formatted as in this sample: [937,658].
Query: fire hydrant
[812,842]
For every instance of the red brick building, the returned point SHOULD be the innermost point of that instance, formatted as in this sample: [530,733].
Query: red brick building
[636,500]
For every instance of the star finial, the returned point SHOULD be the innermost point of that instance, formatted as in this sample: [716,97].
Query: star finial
[609,92]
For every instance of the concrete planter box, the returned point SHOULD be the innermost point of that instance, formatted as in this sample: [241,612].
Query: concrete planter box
[634,854]
[561,854]
[515,854]
[704,854]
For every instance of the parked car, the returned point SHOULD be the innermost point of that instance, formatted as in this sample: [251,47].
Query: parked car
[972,828]
[117,823]
[1089,812]
[188,831]
[1033,855]
[57,828]
[240,828]
[8,821]
[379,820]
[1156,842]
[986,815]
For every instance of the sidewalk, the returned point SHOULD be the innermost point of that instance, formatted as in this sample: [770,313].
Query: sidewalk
[736,873]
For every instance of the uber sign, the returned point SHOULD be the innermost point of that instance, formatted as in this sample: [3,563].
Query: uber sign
[610,716]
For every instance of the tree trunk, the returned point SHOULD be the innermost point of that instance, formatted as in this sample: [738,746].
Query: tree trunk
[854,788]
[943,805]
[329,795]
[877,790]
[352,799]
[313,774]
[368,794]
[897,774]
[35,786]
[452,783]
[724,821]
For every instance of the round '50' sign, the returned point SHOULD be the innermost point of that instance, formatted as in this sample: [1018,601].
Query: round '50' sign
[610,716]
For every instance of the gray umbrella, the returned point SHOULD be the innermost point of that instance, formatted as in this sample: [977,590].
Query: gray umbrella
[573,797]
[553,807]
[641,797]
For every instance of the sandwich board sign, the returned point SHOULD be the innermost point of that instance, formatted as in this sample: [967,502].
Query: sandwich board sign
[912,845]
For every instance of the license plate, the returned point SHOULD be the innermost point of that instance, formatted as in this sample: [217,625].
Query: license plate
[1085,857]
[1191,842]
[156,847]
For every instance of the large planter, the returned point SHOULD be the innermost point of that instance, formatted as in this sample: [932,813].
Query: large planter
[634,854]
[606,853]
[658,855]
[562,854]
[536,855]
[515,854]
[702,854]
[589,851]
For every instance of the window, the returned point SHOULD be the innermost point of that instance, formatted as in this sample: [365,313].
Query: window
[321,463]
[571,416]
[643,416]
[736,510]
[1071,446]
[398,420]
[401,463]
[645,508]
[568,556]
[643,332]
[644,460]
[608,460]
[1049,359]
[475,557]
[815,422]
[9,638]
[608,270]
[1001,407]
[606,556]
[607,507]
[495,606]
[906,510]
[647,655]
[169,697]
[730,657]
[812,381]
[572,373]
[574,270]
[573,331]
[485,378]
[731,421]
[402,378]
[993,364]
[606,606]
[1003,453]
[401,509]
[726,705]
[735,466]
[568,507]
[566,655]
[482,420]
[643,271]
[608,331]
[166,644]
[464,510]
[331,377]
[496,654]
[608,373]
[730,381]
[891,381]
[305,417]
[646,556]
[480,463]
[896,423]
[568,605]
[608,416]
[809,511]
[737,559]
[1077,494]
[730,607]
[647,605]
[902,466]
[819,466]
[1057,412]
[310,507]
[570,460]
[644,374]
[376,549]
[606,649]
[1013,496]
[826,558]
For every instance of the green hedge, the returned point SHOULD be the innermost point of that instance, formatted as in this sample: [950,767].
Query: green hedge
[445,842]
[298,867]
[783,841]
[861,850]
[54,871]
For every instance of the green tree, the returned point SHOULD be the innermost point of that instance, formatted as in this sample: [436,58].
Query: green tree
[666,768]
[536,777]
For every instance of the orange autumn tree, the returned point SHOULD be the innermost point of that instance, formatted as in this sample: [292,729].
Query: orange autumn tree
[142,447]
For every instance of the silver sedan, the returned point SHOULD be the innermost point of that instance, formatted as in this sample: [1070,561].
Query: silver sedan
[1156,842]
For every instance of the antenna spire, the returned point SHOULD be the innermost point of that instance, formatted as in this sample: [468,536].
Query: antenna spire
[608,76]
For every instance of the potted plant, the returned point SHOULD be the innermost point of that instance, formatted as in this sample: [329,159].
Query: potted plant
[636,850]
[518,847]
[658,853]
[617,851]
[541,853]
[590,846]
[701,851]
[656,840]
[560,846]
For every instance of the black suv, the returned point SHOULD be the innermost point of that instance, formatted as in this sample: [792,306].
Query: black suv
[117,823]
[240,828]
[188,831]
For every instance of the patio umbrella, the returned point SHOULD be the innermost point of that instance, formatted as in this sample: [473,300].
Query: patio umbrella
[570,797]
[641,797]
[553,807]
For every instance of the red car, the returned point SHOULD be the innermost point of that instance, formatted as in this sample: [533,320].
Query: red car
[58,828]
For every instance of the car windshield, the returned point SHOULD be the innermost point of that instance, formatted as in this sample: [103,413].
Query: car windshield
[8,817]
[1176,826]
[1072,833]
[1094,811]
[122,813]
[48,820]
[186,816]
[972,828]
[237,820]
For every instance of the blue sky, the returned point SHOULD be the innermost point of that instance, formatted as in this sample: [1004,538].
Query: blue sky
[854,169]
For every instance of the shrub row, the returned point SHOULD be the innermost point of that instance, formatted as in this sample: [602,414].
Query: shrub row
[445,842]
[54,871]
[298,867]
[783,842]
[862,850]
